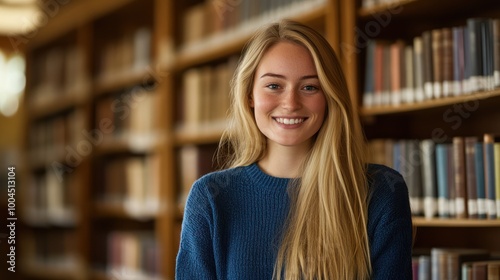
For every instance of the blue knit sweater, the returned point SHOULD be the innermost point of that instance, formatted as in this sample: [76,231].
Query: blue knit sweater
[233,220]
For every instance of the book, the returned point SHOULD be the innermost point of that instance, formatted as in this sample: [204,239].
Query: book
[480,188]
[427,148]
[447,61]
[489,175]
[460,180]
[396,72]
[408,94]
[496,51]
[496,148]
[437,62]
[418,61]
[447,262]
[443,196]
[470,171]
[369,74]
[458,60]
[428,73]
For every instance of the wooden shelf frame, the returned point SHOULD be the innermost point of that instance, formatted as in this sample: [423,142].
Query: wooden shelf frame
[430,104]
[436,222]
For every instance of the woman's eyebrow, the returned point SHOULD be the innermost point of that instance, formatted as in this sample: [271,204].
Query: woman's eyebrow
[283,77]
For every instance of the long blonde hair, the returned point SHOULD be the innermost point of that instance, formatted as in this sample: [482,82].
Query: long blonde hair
[326,230]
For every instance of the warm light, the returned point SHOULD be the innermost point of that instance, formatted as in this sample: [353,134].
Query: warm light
[12,83]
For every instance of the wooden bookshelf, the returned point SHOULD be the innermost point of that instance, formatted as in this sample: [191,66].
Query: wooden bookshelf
[94,26]
[487,96]
[404,20]
[423,222]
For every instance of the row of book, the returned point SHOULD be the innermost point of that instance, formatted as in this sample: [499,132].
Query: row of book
[442,62]
[130,112]
[53,138]
[456,263]
[214,17]
[57,72]
[459,179]
[131,52]
[55,248]
[205,98]
[50,199]
[133,255]
[132,183]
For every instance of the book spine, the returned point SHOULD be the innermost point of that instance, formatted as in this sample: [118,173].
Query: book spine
[427,148]
[369,74]
[437,62]
[459,172]
[428,64]
[448,65]
[408,89]
[496,51]
[470,169]
[418,60]
[458,60]
[481,194]
[442,180]
[496,148]
[489,175]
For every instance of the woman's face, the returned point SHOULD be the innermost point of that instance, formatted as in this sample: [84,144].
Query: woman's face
[288,102]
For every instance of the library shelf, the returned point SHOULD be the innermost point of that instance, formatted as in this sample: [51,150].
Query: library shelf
[103,209]
[202,134]
[231,41]
[143,77]
[130,143]
[437,222]
[54,106]
[494,95]
[70,271]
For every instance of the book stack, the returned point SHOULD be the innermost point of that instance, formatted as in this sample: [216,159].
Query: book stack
[460,179]
[124,55]
[205,98]
[55,248]
[444,62]
[127,115]
[52,137]
[59,73]
[132,183]
[456,263]
[133,255]
[211,17]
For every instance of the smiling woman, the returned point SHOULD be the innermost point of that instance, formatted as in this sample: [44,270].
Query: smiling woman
[298,199]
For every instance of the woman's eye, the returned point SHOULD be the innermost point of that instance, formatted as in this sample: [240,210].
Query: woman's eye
[273,86]
[310,88]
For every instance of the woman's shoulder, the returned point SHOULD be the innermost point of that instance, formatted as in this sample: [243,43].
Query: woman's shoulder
[380,174]
[385,182]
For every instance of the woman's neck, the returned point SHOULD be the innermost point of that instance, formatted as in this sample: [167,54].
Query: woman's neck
[282,161]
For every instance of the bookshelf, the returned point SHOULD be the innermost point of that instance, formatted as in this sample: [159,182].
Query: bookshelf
[129,63]
[391,22]
[112,89]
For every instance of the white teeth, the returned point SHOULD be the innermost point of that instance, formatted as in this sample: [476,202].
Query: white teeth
[289,121]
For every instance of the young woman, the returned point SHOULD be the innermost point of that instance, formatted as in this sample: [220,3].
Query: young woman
[298,200]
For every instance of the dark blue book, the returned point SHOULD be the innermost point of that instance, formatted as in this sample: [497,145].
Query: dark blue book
[442,180]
